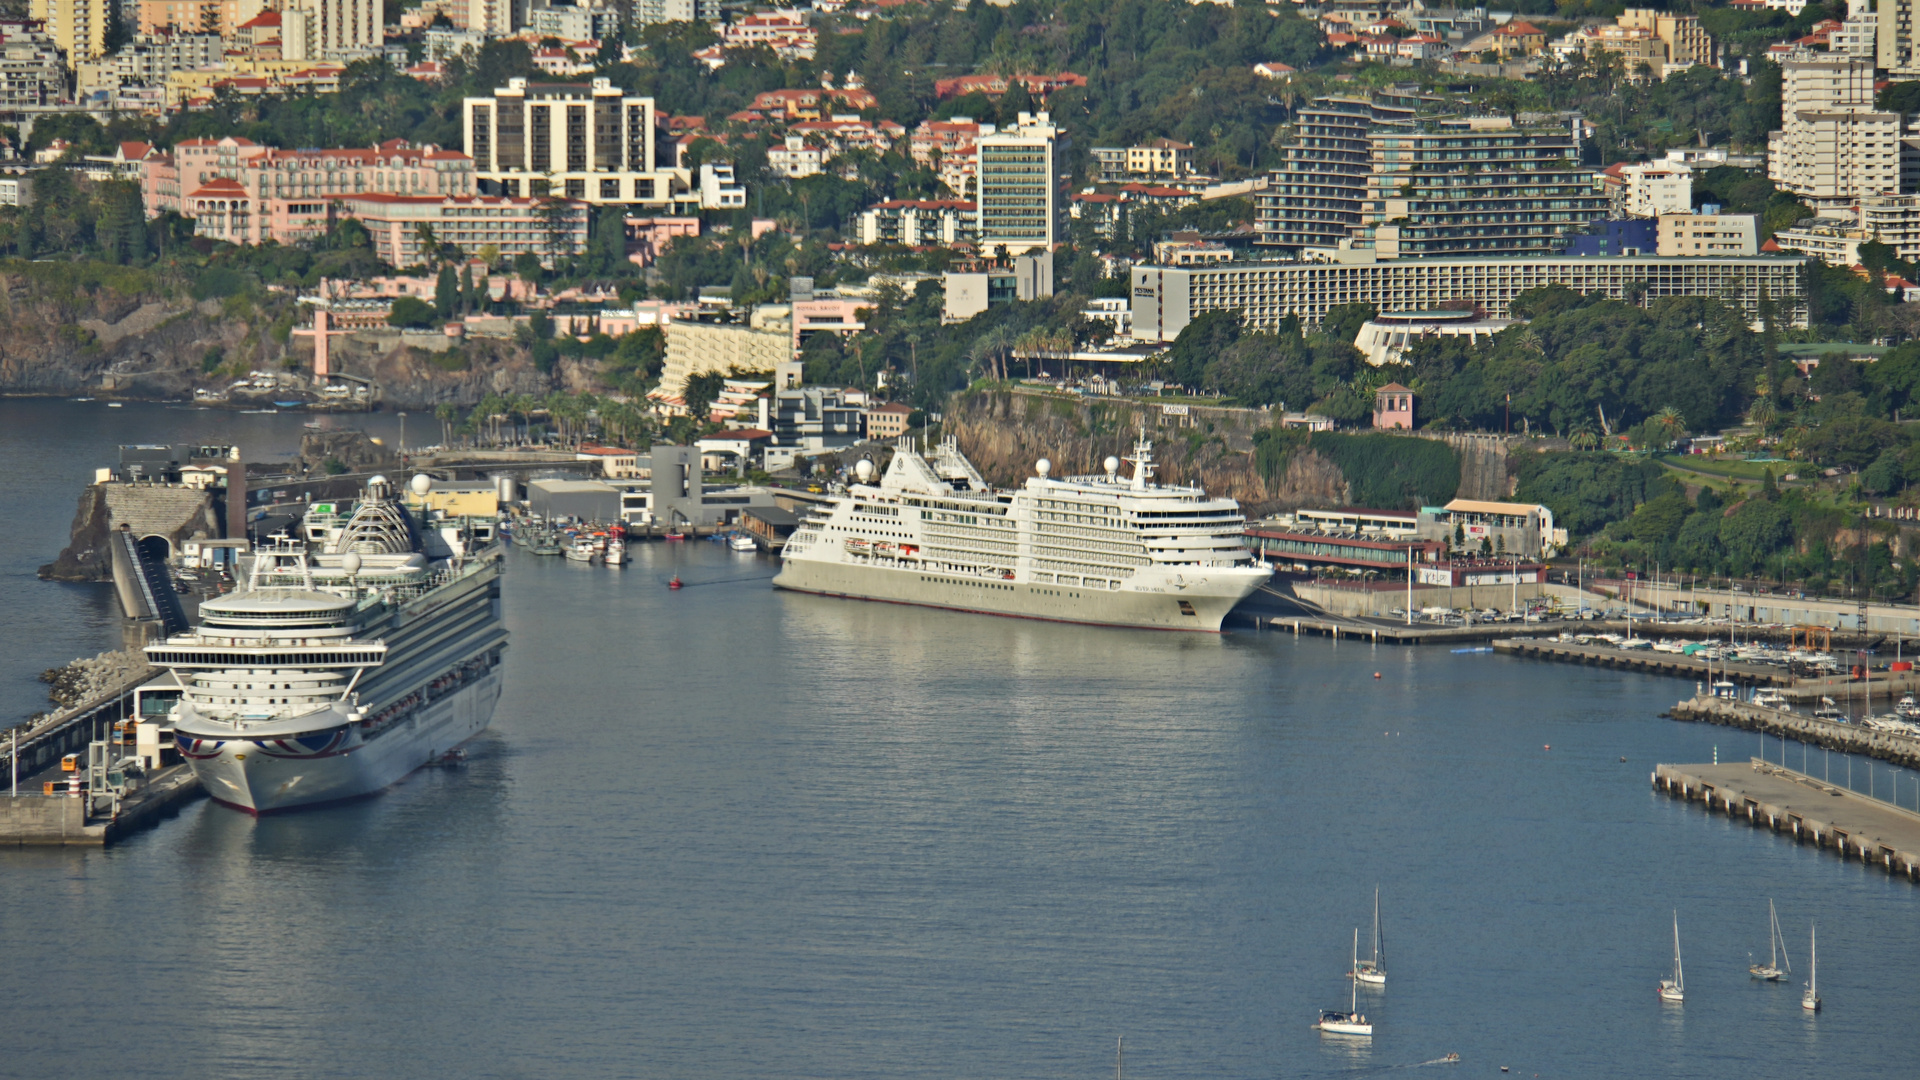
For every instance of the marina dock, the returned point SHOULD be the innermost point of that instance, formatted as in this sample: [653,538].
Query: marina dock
[1815,812]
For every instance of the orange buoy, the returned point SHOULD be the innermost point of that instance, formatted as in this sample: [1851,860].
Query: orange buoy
[1549,746]
[1376,674]
[675,583]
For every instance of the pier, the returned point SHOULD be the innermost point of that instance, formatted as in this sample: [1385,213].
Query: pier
[1815,812]
[39,820]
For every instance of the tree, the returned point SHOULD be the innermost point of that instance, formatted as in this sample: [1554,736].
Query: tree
[701,392]
[556,221]
[409,311]
[446,292]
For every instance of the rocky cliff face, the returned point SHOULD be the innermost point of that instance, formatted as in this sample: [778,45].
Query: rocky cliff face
[1005,433]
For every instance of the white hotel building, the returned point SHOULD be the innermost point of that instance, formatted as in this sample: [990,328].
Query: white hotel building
[1166,298]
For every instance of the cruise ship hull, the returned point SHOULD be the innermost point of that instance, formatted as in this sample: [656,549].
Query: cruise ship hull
[1197,601]
[248,774]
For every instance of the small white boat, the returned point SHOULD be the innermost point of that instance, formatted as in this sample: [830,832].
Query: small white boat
[115,405]
[1675,989]
[1351,1022]
[1372,972]
[1771,971]
[1810,1000]
[581,550]
[616,553]
[743,543]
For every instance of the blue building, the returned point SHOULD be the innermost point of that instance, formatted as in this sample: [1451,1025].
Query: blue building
[1617,236]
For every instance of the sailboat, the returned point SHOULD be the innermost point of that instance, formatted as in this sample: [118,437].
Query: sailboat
[1675,989]
[1373,972]
[1777,950]
[1350,1022]
[1810,1000]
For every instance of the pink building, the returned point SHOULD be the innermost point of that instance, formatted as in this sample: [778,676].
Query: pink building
[289,189]
[647,237]
[1393,407]
[832,315]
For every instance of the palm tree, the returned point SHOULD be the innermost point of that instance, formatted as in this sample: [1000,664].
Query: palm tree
[1762,414]
[446,411]
[1583,437]
[1671,424]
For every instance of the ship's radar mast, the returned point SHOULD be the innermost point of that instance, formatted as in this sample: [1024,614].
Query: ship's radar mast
[1142,460]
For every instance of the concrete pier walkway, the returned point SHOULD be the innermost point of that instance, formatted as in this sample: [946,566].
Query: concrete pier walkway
[1815,812]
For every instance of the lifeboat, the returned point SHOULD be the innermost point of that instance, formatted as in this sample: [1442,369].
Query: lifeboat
[858,546]
[885,549]
[909,551]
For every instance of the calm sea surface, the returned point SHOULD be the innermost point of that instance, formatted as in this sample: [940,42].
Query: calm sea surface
[727,832]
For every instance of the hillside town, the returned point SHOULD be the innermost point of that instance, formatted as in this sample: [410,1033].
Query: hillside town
[793,230]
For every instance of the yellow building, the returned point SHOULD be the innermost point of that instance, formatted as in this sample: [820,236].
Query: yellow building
[461,500]
[78,26]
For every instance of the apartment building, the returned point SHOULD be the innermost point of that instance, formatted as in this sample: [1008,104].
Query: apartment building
[1894,35]
[1166,299]
[1893,220]
[1476,187]
[573,23]
[1708,234]
[1686,40]
[588,142]
[1314,198]
[543,228]
[77,27]
[706,344]
[914,222]
[1647,188]
[1021,202]
[32,69]
[1834,147]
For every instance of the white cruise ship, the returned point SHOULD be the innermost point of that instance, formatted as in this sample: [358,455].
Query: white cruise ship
[343,665]
[1107,549]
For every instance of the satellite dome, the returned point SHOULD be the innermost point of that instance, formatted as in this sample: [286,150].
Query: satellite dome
[350,562]
[863,469]
[1042,467]
[1112,463]
[376,479]
[421,484]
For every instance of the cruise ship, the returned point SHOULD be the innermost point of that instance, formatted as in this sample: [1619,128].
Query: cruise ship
[1107,549]
[362,648]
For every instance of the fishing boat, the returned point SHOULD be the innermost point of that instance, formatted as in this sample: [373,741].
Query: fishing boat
[1372,972]
[743,542]
[581,550]
[1675,989]
[1810,1000]
[1351,1022]
[1771,971]
[616,553]
[544,545]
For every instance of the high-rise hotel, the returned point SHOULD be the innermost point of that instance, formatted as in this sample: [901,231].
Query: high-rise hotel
[589,142]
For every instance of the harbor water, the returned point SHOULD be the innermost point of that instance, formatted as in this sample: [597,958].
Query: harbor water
[729,832]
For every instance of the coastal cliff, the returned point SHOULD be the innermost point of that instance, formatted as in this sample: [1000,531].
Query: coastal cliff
[1004,433]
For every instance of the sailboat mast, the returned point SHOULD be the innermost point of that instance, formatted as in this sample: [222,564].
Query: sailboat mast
[1376,926]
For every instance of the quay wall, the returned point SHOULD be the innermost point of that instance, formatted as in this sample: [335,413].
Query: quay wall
[36,820]
[1866,834]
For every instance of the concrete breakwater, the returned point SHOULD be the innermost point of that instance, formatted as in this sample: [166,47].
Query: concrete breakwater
[1814,812]
[1663,663]
[1850,738]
